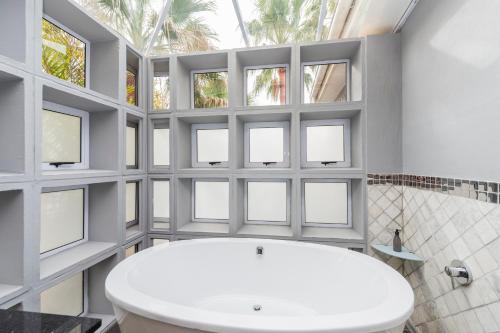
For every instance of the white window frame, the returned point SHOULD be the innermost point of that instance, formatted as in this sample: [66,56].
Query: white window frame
[345,123]
[193,198]
[136,125]
[84,139]
[325,62]
[137,221]
[286,144]
[154,219]
[288,201]
[327,225]
[85,291]
[160,123]
[203,71]
[85,218]
[87,51]
[160,74]
[270,66]
[194,145]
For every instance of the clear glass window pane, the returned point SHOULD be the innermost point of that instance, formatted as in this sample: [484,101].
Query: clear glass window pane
[131,145]
[62,218]
[61,138]
[131,201]
[210,90]
[326,203]
[267,201]
[63,55]
[211,200]
[161,203]
[213,145]
[132,88]
[158,241]
[161,91]
[131,250]
[65,298]
[266,145]
[266,86]
[325,143]
[314,81]
[161,146]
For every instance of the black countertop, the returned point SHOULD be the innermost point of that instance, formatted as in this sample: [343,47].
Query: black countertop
[32,322]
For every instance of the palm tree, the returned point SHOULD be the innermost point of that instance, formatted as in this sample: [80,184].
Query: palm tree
[281,22]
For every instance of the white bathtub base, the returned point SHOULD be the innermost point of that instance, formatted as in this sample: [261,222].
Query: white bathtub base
[132,323]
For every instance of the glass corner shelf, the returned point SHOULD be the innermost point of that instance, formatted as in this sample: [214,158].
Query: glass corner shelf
[405,254]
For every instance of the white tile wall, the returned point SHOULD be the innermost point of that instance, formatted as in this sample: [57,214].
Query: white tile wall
[439,228]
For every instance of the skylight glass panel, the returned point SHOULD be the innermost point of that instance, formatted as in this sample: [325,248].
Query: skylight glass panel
[280,22]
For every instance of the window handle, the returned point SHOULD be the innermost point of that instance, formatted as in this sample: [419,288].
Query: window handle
[268,163]
[58,164]
[214,163]
[328,163]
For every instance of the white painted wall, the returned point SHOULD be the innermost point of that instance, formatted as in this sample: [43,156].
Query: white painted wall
[451,89]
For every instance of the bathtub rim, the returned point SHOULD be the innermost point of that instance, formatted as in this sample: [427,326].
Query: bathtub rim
[392,312]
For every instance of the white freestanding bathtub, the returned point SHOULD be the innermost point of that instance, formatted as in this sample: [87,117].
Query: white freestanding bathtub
[224,285]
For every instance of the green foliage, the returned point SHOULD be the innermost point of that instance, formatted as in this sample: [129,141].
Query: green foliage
[210,90]
[62,54]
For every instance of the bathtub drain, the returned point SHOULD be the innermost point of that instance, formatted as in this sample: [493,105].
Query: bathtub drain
[257,307]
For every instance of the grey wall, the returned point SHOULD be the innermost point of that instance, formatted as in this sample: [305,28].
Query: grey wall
[383,102]
[451,99]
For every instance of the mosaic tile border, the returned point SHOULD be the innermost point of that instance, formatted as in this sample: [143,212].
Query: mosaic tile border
[473,189]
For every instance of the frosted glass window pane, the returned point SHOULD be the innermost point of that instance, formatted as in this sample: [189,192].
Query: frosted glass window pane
[266,145]
[65,298]
[131,146]
[266,86]
[325,143]
[211,200]
[213,145]
[161,146]
[267,201]
[336,87]
[131,201]
[210,90]
[161,199]
[326,203]
[61,137]
[131,250]
[158,241]
[161,92]
[62,218]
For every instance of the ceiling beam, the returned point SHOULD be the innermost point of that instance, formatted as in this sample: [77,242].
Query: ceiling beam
[243,28]
[321,19]
[161,20]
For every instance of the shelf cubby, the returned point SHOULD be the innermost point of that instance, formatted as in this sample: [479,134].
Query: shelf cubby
[183,141]
[356,130]
[242,227]
[103,68]
[160,144]
[140,205]
[185,211]
[16,19]
[16,121]
[160,100]
[258,58]
[324,53]
[137,121]
[132,247]
[134,64]
[161,203]
[104,226]
[158,239]
[185,66]
[14,201]
[104,143]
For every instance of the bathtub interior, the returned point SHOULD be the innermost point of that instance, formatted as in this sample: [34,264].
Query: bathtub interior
[231,278]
